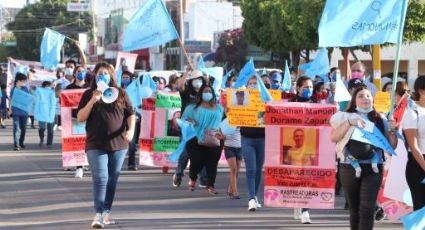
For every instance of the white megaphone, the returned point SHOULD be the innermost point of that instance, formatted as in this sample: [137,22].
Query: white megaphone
[109,94]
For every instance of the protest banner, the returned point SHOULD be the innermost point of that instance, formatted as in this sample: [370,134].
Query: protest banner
[381,102]
[299,169]
[400,109]
[160,132]
[73,131]
[246,108]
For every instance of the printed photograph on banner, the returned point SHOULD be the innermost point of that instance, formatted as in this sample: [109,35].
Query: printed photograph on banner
[126,61]
[78,128]
[172,126]
[299,146]
[240,98]
[260,118]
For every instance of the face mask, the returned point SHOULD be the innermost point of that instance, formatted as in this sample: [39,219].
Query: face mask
[207,97]
[81,76]
[252,86]
[104,77]
[68,71]
[307,93]
[125,82]
[356,75]
[197,83]
[365,111]
[275,86]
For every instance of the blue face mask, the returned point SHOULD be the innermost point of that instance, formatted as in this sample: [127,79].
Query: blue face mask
[207,97]
[104,77]
[81,76]
[275,86]
[365,111]
[125,82]
[307,93]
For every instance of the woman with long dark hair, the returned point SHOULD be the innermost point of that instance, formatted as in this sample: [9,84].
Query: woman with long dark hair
[109,128]
[414,130]
[361,189]
[204,150]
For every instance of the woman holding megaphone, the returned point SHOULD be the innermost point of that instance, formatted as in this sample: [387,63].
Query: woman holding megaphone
[110,123]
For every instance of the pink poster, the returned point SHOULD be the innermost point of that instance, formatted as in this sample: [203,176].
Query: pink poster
[300,158]
[73,132]
[126,61]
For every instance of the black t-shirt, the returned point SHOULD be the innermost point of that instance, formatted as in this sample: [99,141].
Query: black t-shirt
[106,123]
[75,86]
[188,97]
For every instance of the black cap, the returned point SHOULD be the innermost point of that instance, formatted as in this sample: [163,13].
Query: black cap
[355,83]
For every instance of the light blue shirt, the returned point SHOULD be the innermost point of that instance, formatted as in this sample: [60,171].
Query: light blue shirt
[204,118]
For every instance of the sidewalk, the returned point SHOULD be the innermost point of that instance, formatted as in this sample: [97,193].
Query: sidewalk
[36,193]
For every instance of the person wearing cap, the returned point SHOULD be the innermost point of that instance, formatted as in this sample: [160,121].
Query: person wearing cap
[189,86]
[276,80]
[358,71]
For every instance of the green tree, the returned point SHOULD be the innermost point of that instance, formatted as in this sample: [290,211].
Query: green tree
[30,22]
[284,26]
[232,49]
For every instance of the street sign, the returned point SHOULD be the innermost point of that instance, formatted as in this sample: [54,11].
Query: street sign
[78,7]
[197,46]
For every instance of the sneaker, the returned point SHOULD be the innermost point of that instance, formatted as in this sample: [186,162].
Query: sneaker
[211,190]
[202,185]
[79,173]
[192,185]
[297,213]
[258,203]
[379,214]
[252,205]
[305,218]
[22,146]
[97,221]
[55,127]
[177,181]
[107,220]
[132,168]
[59,128]
[16,148]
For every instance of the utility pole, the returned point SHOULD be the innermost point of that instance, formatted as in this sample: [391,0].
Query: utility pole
[181,22]
[93,17]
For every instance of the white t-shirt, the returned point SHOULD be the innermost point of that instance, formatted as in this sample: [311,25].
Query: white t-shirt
[410,121]
[234,139]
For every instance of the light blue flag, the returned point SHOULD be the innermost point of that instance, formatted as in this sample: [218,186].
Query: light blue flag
[414,220]
[376,138]
[246,72]
[45,105]
[264,92]
[201,63]
[148,82]
[347,23]
[22,100]
[188,132]
[286,84]
[133,92]
[226,77]
[118,74]
[217,74]
[150,26]
[50,49]
[319,66]
[264,72]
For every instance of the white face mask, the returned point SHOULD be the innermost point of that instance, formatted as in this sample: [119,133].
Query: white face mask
[365,111]
[252,86]
[197,83]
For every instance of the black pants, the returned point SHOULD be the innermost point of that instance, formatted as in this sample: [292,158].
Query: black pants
[414,176]
[202,156]
[361,194]
[132,147]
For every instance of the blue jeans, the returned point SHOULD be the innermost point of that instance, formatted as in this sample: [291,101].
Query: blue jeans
[182,164]
[19,129]
[253,154]
[42,128]
[105,168]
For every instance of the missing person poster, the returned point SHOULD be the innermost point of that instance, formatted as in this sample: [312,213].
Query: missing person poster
[300,157]
[73,132]
[160,134]
[246,108]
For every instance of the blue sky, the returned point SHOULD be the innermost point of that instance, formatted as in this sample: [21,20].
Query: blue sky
[14,3]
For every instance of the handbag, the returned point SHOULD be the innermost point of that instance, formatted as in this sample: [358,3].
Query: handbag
[209,140]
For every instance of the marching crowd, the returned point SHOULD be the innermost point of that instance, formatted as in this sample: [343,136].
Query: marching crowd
[113,131]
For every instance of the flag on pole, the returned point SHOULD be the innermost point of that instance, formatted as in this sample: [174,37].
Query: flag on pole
[347,23]
[246,72]
[201,63]
[50,48]
[217,74]
[414,220]
[319,66]
[150,26]
[286,84]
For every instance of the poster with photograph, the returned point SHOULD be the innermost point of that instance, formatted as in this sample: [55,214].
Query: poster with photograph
[73,131]
[160,133]
[246,108]
[126,61]
[299,169]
